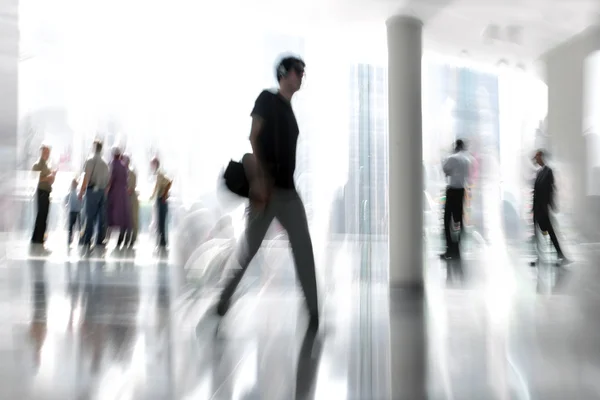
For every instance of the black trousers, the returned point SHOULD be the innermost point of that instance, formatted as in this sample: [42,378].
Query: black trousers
[162,208]
[41,219]
[74,218]
[453,213]
[286,206]
[541,219]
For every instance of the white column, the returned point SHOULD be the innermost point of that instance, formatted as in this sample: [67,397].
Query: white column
[9,61]
[404,35]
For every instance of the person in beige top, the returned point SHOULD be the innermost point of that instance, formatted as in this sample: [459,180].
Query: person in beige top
[46,180]
[161,193]
[131,235]
[95,180]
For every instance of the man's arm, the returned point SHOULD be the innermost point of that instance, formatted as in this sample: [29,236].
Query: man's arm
[448,165]
[86,180]
[167,189]
[551,189]
[47,178]
[156,186]
[36,168]
[256,129]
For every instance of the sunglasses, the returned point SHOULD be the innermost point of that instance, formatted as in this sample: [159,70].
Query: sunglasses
[299,70]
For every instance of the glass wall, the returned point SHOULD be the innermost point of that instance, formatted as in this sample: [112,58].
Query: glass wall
[184,93]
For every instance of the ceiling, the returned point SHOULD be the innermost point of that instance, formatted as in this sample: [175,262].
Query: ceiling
[516,31]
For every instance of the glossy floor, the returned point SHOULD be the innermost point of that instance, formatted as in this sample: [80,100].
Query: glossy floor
[134,325]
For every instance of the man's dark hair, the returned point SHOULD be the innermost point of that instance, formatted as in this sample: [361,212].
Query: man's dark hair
[97,146]
[459,145]
[541,152]
[287,64]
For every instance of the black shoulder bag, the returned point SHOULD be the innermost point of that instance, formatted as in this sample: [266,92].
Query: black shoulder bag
[236,179]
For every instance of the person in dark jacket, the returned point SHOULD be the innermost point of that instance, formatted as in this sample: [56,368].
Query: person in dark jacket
[543,201]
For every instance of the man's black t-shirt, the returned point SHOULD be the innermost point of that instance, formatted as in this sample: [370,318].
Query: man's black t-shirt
[278,138]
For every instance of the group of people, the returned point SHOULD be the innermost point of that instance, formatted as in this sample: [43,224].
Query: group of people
[270,171]
[458,169]
[108,198]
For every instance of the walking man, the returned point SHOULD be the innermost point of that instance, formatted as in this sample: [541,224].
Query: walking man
[456,167]
[543,201]
[274,136]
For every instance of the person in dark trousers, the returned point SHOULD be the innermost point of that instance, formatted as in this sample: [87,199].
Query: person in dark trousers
[457,168]
[161,191]
[544,200]
[95,181]
[274,136]
[46,180]
[74,210]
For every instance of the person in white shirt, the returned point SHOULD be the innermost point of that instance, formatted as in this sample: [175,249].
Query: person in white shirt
[457,168]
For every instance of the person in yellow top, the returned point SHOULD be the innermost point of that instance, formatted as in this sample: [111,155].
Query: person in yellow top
[44,188]
[161,193]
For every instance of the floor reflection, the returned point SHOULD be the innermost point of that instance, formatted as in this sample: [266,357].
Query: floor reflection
[137,325]
[39,320]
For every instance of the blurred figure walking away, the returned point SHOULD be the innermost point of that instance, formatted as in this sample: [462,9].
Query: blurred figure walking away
[543,200]
[457,168]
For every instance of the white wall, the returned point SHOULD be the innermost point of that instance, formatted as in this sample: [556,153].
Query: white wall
[566,94]
[9,53]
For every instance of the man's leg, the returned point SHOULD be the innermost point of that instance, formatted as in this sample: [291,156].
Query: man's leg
[448,222]
[44,212]
[100,217]
[37,237]
[122,235]
[72,221]
[292,216]
[162,223]
[553,238]
[41,220]
[256,228]
[135,218]
[91,216]
[458,216]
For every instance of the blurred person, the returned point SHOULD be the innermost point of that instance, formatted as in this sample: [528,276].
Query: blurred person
[73,204]
[161,194]
[95,181]
[457,168]
[117,197]
[544,192]
[44,187]
[131,234]
[274,136]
